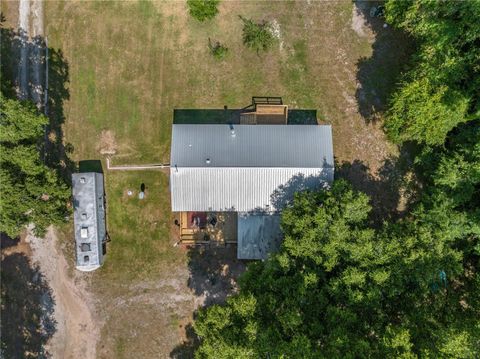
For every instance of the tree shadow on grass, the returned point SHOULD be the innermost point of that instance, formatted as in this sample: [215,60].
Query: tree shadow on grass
[187,349]
[392,190]
[378,74]
[24,60]
[213,274]
[27,309]
[7,242]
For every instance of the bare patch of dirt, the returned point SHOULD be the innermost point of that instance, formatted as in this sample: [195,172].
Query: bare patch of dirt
[152,316]
[77,328]
[359,23]
[277,32]
[107,144]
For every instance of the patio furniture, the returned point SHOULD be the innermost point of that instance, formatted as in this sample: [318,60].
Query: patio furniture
[212,220]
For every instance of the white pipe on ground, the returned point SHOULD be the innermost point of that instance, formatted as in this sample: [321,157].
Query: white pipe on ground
[136,167]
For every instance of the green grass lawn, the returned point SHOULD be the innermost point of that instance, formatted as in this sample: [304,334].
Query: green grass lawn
[139,228]
[131,64]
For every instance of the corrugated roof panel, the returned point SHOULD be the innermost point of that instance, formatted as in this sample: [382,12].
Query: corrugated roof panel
[299,146]
[241,189]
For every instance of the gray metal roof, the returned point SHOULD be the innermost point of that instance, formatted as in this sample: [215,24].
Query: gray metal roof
[299,146]
[258,235]
[89,219]
[257,169]
[241,189]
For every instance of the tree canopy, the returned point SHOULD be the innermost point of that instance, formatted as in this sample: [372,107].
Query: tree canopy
[339,288]
[31,191]
[441,88]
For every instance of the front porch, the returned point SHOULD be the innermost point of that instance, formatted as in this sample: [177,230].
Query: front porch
[208,227]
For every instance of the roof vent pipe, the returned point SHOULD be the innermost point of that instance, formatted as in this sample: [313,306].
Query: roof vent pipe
[207,161]
[232,133]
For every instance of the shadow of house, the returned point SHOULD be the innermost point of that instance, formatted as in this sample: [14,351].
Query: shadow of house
[302,117]
[27,309]
[90,166]
[378,75]
[25,67]
[265,110]
[206,116]
[232,116]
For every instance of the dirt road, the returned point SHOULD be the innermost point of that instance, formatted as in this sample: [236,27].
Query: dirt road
[31,39]
[77,329]
[23,30]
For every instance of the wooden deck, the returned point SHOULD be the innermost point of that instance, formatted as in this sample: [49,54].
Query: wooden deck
[224,231]
[266,115]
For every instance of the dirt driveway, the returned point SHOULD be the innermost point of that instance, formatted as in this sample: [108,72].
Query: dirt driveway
[77,327]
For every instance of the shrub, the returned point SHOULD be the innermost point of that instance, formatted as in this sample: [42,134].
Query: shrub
[203,9]
[257,36]
[218,50]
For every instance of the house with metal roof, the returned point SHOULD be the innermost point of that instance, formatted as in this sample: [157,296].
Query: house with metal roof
[230,182]
[89,219]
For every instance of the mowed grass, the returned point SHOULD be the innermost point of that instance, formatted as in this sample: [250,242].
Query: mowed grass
[139,228]
[130,65]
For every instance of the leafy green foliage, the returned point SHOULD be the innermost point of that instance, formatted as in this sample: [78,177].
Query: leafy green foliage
[339,288]
[257,36]
[452,172]
[31,192]
[425,114]
[442,87]
[203,10]
[218,50]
